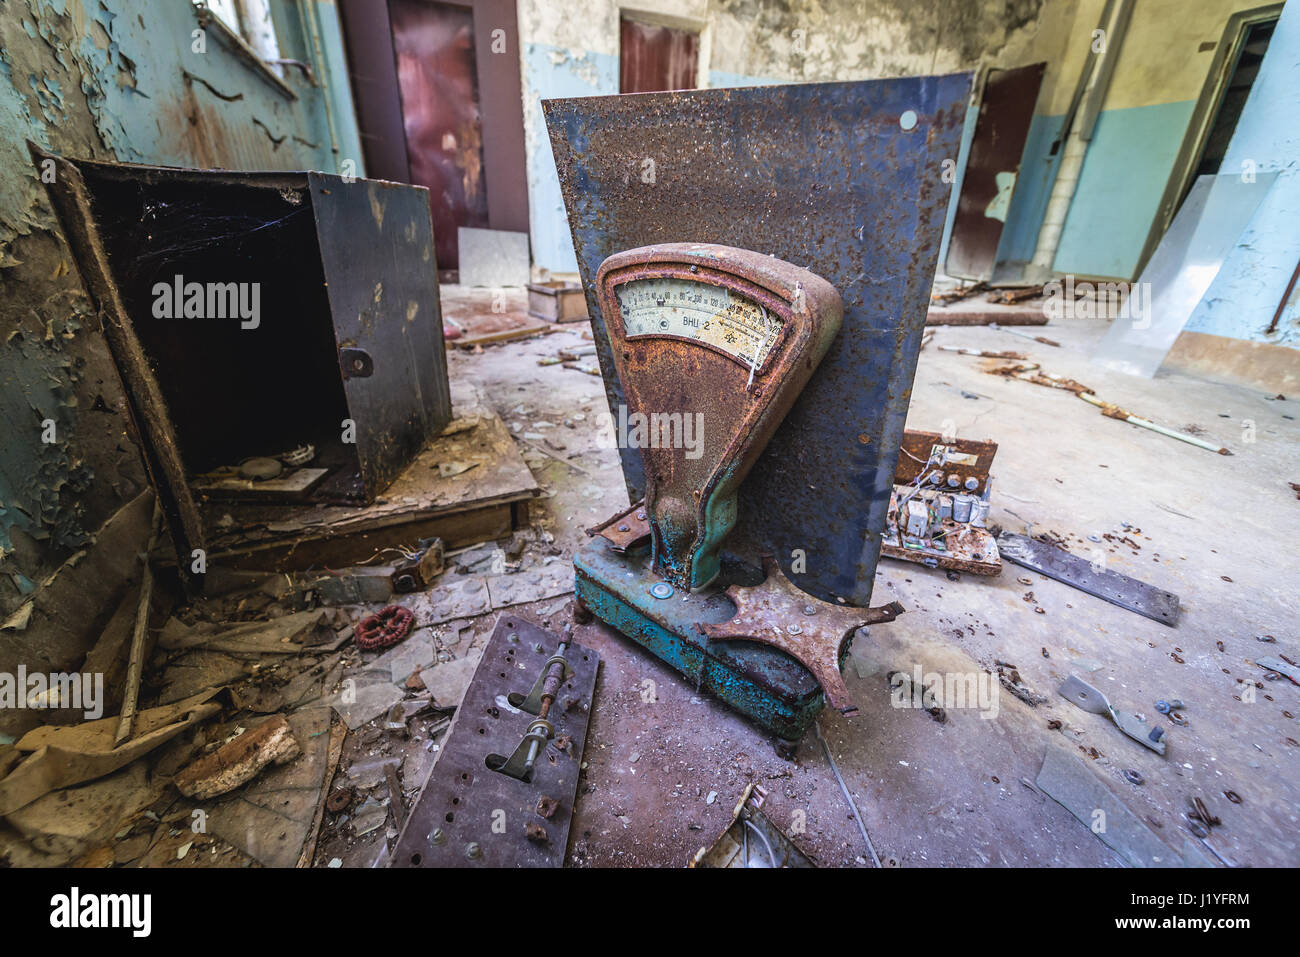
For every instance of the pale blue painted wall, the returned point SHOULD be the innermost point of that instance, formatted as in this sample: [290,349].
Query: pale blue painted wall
[552,72]
[1244,296]
[721,79]
[1123,177]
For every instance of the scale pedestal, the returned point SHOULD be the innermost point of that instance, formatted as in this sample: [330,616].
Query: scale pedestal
[763,674]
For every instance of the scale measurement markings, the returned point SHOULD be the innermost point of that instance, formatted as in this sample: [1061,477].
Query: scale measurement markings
[710,314]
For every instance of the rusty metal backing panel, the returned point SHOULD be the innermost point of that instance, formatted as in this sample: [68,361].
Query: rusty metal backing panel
[377,251]
[464,802]
[992,168]
[843,179]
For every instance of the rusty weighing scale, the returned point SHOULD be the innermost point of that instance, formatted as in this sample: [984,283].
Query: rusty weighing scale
[757,307]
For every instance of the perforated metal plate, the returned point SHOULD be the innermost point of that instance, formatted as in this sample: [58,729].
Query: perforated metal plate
[471,816]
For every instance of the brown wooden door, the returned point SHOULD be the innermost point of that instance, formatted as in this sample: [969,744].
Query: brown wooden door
[437,75]
[654,58]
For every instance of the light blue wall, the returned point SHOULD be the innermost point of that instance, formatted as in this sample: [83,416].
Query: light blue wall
[552,72]
[1124,175]
[721,79]
[1241,301]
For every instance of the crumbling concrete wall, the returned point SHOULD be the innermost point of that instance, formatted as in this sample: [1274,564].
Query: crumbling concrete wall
[572,49]
[115,80]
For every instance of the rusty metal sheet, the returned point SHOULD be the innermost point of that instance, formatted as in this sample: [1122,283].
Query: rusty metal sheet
[626,530]
[471,816]
[376,239]
[843,179]
[1078,572]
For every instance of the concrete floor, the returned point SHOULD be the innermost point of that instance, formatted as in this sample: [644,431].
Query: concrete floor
[1217,530]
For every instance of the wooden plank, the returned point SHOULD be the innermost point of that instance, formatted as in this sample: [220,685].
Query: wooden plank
[461,508]
[456,529]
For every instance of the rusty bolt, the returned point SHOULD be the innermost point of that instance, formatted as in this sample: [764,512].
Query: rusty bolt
[535,833]
[547,806]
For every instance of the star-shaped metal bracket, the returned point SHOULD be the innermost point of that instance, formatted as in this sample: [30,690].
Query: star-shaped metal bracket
[811,631]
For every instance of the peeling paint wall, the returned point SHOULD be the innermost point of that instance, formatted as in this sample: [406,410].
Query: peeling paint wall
[116,80]
[572,49]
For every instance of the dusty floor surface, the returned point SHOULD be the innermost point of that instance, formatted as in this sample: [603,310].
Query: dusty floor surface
[664,765]
[663,775]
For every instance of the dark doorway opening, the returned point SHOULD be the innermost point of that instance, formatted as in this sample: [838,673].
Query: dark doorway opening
[1237,59]
[1251,54]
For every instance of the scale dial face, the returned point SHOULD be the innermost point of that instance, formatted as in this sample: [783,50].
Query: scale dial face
[713,315]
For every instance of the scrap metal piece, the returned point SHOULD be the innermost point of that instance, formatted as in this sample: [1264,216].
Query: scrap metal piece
[840,178]
[1078,572]
[1068,781]
[1281,667]
[1077,691]
[769,687]
[926,452]
[426,564]
[546,678]
[451,823]
[812,632]
[751,840]
[630,529]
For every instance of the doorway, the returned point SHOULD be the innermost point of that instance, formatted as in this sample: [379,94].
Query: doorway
[439,102]
[1254,43]
[1237,58]
[992,169]
[655,57]
[437,75]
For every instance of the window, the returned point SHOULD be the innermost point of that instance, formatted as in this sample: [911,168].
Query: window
[249,22]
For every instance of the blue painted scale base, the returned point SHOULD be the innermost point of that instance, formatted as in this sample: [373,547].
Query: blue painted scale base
[767,686]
